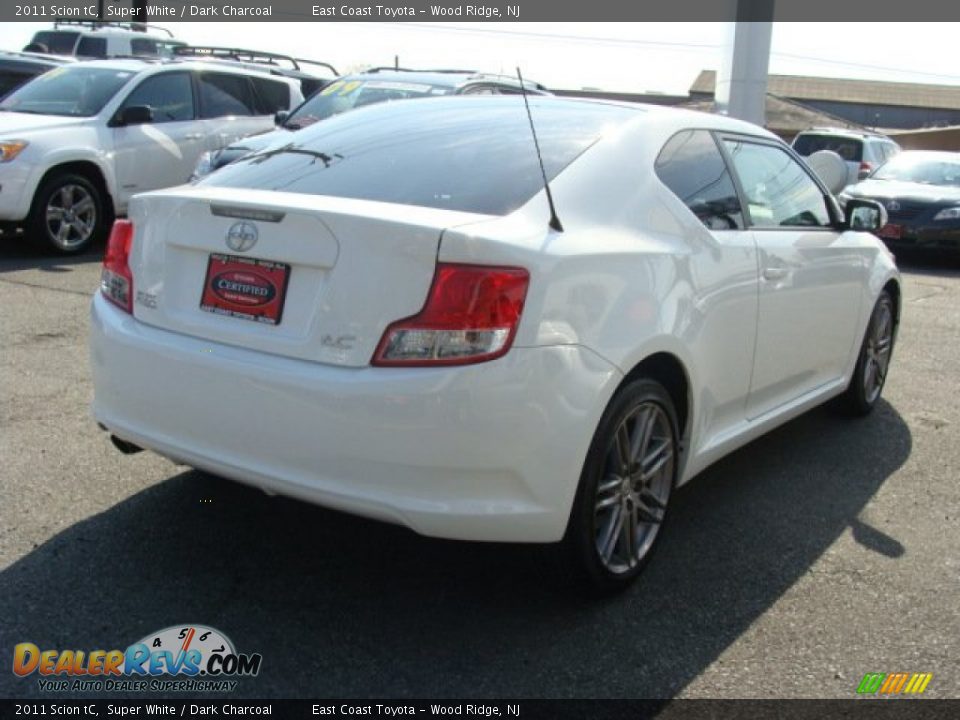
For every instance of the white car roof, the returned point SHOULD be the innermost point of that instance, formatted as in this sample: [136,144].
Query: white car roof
[152,65]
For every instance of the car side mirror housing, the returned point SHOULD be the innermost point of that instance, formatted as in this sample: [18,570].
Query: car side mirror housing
[281,117]
[865,215]
[135,115]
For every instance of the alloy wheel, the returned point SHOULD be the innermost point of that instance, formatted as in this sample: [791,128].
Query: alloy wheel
[633,490]
[879,345]
[71,216]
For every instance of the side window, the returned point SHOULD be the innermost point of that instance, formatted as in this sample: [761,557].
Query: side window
[690,164]
[222,95]
[92,47]
[271,95]
[779,192]
[169,95]
[143,46]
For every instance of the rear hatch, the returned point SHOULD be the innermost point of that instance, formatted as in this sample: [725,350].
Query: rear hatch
[308,277]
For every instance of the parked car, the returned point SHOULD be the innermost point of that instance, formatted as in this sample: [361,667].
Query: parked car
[368,88]
[18,68]
[862,151]
[384,316]
[96,39]
[79,140]
[921,192]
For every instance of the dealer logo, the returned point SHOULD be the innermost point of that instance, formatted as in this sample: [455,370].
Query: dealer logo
[177,658]
[242,236]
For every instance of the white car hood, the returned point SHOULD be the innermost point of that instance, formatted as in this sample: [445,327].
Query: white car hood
[22,124]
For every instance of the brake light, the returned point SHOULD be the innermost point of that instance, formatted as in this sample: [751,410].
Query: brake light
[866,168]
[116,280]
[471,315]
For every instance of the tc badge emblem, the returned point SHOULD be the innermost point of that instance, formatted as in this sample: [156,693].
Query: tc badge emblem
[893,206]
[242,236]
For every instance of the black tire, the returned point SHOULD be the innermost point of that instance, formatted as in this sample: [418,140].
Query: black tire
[581,549]
[862,394]
[67,191]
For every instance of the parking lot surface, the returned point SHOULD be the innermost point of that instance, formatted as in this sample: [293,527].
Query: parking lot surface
[823,551]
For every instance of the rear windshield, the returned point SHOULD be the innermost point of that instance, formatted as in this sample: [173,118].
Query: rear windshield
[75,91]
[467,154]
[349,93]
[850,149]
[57,42]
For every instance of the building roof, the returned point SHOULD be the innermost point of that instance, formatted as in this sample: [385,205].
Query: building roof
[873,92]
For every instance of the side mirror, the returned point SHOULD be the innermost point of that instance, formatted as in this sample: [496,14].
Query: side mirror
[281,117]
[135,115]
[866,215]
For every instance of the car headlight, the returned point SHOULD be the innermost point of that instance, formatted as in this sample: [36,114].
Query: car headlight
[9,149]
[205,165]
[948,214]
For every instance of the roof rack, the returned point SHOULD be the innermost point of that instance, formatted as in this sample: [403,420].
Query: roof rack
[97,24]
[258,57]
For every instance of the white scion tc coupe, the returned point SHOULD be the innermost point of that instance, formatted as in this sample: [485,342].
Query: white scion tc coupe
[381,315]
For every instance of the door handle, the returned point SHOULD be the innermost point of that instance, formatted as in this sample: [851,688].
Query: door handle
[775,273]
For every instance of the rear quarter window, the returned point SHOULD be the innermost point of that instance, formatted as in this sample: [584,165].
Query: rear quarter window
[271,95]
[690,164]
[222,95]
[473,155]
[95,47]
[143,46]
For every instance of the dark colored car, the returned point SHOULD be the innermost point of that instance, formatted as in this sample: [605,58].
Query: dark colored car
[921,191]
[17,69]
[368,88]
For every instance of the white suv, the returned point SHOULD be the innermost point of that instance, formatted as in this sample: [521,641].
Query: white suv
[862,151]
[95,39]
[78,141]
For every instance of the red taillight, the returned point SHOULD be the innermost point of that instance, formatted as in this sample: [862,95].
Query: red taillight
[866,167]
[116,280]
[471,316]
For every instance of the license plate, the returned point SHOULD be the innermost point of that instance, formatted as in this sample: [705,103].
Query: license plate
[891,231]
[247,288]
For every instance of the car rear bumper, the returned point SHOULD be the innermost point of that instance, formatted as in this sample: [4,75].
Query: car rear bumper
[487,452]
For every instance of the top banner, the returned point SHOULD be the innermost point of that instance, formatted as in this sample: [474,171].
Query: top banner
[489,11]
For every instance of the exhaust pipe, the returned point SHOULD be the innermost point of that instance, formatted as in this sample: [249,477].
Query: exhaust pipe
[127,448]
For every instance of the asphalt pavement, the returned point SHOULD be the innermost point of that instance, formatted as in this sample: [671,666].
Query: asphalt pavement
[828,549]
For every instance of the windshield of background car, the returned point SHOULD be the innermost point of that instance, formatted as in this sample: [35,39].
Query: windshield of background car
[927,171]
[467,154]
[57,42]
[348,93]
[850,149]
[74,91]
